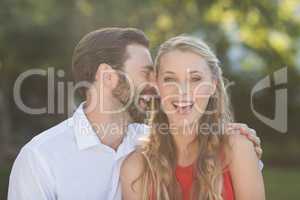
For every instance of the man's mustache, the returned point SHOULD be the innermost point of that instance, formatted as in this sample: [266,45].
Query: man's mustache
[148,98]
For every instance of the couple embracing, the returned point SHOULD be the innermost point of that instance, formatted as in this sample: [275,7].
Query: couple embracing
[190,149]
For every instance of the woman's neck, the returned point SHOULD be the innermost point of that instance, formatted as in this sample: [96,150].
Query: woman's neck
[187,147]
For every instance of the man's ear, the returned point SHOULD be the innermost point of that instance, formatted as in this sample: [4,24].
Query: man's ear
[107,75]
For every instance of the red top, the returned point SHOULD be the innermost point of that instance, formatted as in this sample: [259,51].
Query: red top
[184,176]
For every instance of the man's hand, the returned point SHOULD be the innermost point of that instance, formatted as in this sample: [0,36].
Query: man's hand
[243,129]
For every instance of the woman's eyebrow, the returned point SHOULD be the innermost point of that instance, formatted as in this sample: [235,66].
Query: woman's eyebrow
[195,72]
[168,72]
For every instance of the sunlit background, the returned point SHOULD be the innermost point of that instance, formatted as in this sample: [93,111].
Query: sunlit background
[252,38]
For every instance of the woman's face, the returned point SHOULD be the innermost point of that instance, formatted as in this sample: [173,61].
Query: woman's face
[185,84]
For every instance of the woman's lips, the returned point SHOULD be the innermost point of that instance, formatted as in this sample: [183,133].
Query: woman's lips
[183,107]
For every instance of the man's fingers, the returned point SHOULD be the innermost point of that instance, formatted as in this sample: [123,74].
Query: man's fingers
[251,134]
[243,129]
[249,131]
[233,131]
[255,139]
[237,125]
[259,152]
[233,126]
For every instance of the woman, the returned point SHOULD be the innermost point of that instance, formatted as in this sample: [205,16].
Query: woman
[188,154]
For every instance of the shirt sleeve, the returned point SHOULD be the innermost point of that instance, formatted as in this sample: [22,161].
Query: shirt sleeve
[31,178]
[260,165]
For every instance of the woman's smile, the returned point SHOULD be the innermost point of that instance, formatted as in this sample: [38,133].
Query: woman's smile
[183,107]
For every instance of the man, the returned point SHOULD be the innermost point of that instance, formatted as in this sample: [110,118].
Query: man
[80,157]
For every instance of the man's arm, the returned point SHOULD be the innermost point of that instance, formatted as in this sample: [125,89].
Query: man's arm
[30,178]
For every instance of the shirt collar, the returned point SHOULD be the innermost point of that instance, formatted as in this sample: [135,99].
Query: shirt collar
[84,133]
[86,137]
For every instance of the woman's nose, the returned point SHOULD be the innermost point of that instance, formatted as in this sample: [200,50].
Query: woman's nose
[183,88]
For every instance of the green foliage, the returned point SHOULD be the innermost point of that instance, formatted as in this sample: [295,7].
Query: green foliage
[282,183]
[4,177]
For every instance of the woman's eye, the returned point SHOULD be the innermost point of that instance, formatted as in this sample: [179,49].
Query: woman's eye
[194,79]
[168,79]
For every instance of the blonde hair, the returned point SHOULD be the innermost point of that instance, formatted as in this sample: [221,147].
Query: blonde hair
[159,150]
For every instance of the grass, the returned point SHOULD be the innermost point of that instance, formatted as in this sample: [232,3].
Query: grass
[280,183]
[4,177]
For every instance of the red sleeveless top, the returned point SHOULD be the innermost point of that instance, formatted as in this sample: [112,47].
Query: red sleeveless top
[184,176]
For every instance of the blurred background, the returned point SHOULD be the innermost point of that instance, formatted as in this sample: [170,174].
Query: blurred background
[252,38]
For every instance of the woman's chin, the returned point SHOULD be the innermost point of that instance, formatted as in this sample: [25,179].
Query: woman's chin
[182,122]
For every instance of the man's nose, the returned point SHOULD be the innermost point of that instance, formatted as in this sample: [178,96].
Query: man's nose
[151,78]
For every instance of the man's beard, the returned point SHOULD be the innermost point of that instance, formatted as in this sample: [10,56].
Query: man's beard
[123,94]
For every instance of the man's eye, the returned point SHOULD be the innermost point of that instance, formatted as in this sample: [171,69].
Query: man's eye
[146,73]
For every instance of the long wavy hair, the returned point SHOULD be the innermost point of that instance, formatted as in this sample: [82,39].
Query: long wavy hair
[159,151]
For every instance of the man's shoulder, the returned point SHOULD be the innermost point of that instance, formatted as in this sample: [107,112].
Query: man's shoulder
[54,137]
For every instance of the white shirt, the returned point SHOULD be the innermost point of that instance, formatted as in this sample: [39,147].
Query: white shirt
[69,162]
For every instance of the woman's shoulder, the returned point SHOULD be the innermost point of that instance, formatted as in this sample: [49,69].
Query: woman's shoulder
[238,149]
[130,177]
[132,165]
[239,143]
[244,169]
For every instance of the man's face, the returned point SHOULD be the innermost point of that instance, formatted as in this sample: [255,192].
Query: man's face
[138,68]
[138,64]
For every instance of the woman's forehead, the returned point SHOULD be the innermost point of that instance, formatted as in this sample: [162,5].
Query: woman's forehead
[183,62]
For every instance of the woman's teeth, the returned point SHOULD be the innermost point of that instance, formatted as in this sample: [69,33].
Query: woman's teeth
[183,104]
[183,107]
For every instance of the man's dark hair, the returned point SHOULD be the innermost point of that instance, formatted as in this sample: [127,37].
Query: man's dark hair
[107,45]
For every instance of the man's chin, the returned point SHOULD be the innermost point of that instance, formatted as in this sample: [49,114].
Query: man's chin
[136,115]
